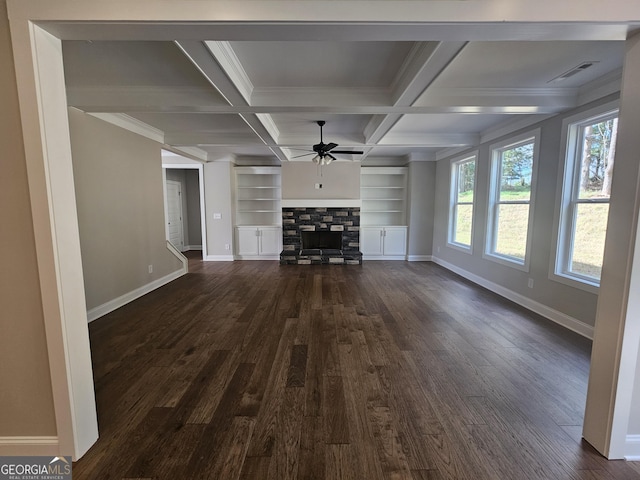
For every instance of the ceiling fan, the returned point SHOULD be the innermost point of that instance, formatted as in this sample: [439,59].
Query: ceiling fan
[324,152]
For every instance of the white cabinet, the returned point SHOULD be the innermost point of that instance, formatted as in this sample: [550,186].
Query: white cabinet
[383,243]
[258,242]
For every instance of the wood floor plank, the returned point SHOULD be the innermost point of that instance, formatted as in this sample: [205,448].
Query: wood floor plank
[389,370]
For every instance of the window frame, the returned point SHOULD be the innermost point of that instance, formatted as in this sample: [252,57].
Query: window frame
[454,175]
[567,196]
[493,200]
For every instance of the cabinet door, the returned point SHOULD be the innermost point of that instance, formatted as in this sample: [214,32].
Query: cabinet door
[371,240]
[395,241]
[270,240]
[247,240]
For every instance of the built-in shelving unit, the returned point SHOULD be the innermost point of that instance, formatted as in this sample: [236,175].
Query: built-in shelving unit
[383,191]
[383,218]
[258,213]
[258,196]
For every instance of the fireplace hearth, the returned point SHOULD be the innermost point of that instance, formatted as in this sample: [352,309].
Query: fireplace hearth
[321,236]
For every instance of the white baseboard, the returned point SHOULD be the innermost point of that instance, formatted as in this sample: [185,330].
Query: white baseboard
[632,448]
[17,446]
[560,318]
[116,303]
[257,257]
[384,257]
[219,258]
[192,247]
[420,258]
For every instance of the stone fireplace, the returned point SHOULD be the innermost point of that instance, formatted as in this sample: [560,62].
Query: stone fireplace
[320,235]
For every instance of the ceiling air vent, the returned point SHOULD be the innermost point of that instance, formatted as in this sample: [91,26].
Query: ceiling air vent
[570,73]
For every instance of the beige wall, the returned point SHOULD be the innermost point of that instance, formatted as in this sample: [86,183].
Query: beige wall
[339,180]
[576,303]
[118,180]
[26,401]
[218,180]
[421,196]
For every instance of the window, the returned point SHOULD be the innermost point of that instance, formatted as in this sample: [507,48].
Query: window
[586,188]
[510,200]
[463,180]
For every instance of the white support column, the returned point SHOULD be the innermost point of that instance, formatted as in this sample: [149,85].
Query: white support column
[617,329]
[43,109]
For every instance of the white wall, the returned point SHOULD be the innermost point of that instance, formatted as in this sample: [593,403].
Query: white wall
[218,181]
[566,303]
[339,180]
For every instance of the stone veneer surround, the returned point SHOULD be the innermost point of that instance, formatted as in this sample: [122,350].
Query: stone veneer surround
[296,220]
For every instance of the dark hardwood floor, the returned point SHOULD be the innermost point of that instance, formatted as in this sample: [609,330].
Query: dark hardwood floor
[391,370]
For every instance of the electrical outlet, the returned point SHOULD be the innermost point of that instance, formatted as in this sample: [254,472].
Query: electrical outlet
[530,283]
[217,216]
[150,268]
[227,246]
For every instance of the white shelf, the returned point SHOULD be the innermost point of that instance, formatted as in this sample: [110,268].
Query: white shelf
[383,193]
[259,196]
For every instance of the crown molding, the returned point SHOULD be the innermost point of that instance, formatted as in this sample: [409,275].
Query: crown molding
[230,63]
[600,87]
[132,124]
[192,153]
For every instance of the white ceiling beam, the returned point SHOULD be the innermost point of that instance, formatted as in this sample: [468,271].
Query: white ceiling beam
[411,28]
[374,110]
[420,139]
[202,57]
[211,138]
[423,65]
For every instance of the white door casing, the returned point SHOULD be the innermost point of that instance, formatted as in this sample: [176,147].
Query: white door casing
[174,214]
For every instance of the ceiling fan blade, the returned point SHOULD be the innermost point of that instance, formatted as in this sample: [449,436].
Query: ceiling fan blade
[349,152]
[330,146]
[304,155]
[299,149]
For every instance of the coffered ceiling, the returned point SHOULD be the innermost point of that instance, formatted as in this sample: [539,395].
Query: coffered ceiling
[258,100]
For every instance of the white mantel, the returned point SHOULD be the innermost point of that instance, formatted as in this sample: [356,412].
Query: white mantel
[321,203]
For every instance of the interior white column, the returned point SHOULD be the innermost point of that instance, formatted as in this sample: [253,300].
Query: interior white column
[43,109]
[617,329]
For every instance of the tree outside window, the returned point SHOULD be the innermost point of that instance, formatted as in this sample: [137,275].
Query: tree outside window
[463,176]
[512,173]
[584,225]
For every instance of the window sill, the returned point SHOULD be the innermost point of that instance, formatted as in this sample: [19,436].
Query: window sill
[579,283]
[507,261]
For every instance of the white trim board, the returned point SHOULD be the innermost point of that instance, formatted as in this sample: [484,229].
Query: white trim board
[383,257]
[18,446]
[122,300]
[419,258]
[218,258]
[632,450]
[560,318]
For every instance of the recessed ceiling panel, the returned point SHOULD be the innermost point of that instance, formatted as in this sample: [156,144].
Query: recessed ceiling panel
[321,64]
[529,64]
[195,122]
[142,64]
[445,123]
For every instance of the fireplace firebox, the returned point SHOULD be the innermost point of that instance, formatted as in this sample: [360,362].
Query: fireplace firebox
[321,240]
